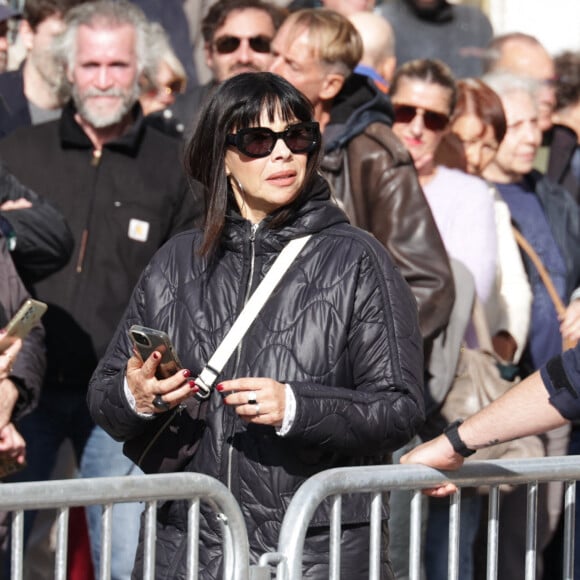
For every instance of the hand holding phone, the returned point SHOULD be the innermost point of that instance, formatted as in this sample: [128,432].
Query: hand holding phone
[25,319]
[147,340]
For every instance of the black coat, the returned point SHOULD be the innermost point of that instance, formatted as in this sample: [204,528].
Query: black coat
[562,147]
[121,206]
[341,330]
[43,242]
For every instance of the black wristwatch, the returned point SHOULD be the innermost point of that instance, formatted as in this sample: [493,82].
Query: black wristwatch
[452,433]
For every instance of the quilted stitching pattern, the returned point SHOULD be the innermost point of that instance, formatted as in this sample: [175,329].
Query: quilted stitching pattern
[341,329]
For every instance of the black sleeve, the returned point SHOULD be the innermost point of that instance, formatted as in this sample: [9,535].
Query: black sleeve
[42,238]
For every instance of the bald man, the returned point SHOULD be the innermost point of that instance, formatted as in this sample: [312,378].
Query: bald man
[523,55]
[348,7]
[344,7]
[378,61]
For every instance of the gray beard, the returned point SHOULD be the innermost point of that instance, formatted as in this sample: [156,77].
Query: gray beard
[100,119]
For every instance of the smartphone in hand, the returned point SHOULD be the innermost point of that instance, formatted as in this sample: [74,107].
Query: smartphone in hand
[146,340]
[25,319]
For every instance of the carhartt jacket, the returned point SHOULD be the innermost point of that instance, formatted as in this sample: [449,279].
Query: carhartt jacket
[341,329]
[121,203]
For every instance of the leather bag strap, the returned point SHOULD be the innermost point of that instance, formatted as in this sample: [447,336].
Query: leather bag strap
[546,279]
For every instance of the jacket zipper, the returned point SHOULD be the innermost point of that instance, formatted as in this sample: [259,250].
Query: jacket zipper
[253,231]
[95,160]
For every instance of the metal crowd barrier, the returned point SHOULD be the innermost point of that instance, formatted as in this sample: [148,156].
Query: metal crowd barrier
[106,491]
[286,563]
[375,480]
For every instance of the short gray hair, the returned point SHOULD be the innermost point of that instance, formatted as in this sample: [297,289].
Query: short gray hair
[505,83]
[110,13]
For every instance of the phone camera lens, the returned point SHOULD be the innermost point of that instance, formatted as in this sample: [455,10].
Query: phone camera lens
[141,339]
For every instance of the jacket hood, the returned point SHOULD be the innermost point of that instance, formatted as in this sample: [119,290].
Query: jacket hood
[316,213]
[358,104]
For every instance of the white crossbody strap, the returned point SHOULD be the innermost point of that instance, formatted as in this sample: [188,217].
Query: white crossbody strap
[216,363]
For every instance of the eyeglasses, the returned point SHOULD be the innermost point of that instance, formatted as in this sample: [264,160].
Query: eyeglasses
[229,44]
[433,121]
[173,87]
[259,142]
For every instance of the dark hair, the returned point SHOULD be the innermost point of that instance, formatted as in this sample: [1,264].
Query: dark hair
[568,79]
[238,103]
[37,11]
[477,98]
[429,71]
[218,13]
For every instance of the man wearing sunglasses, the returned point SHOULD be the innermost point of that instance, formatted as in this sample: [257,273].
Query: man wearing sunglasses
[237,38]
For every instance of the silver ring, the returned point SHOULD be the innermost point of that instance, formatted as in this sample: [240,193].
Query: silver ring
[257,409]
[252,398]
[160,404]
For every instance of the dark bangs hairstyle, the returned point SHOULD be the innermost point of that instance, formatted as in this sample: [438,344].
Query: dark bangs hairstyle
[239,103]
[477,98]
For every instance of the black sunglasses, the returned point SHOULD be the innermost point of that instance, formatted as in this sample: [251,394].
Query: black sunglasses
[433,121]
[229,44]
[259,142]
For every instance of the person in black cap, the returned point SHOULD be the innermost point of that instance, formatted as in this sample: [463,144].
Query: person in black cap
[6,13]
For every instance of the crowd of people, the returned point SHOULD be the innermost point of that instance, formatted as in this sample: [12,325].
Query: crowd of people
[405,139]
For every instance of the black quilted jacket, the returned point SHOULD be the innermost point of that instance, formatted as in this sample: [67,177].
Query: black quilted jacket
[341,329]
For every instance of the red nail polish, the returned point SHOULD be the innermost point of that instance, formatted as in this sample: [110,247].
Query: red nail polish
[220,387]
[193,386]
[186,373]
[156,355]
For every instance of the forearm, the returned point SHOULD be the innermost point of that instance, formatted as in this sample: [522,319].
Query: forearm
[524,410]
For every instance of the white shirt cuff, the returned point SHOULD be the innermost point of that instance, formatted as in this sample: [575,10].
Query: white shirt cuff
[289,412]
[132,403]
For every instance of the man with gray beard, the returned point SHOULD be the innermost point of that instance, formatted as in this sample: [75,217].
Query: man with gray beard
[121,187]
[31,94]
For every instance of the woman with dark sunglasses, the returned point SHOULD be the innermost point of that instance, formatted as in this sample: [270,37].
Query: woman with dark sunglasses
[330,372]
[424,96]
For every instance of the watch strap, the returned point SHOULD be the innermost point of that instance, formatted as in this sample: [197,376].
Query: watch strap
[452,433]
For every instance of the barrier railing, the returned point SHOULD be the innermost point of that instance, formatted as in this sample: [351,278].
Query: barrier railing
[106,491]
[287,561]
[375,480]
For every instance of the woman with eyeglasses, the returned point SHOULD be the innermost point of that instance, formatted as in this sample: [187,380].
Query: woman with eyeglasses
[424,95]
[163,79]
[328,375]
[476,129]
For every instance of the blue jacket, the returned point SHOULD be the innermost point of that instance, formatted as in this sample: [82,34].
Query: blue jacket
[561,375]
[14,111]
[563,215]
